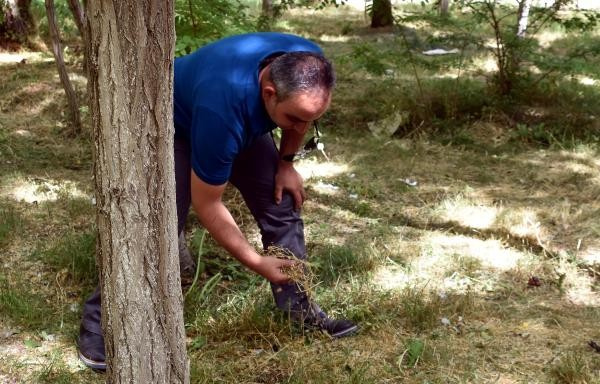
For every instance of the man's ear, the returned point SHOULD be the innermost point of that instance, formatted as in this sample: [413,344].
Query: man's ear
[268,91]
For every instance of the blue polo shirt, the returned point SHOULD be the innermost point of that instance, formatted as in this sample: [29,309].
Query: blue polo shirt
[217,100]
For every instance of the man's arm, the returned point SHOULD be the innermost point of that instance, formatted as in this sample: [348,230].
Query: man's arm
[287,178]
[216,218]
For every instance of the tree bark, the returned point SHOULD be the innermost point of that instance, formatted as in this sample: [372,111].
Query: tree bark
[382,14]
[130,60]
[267,8]
[77,11]
[524,6]
[16,25]
[444,5]
[74,115]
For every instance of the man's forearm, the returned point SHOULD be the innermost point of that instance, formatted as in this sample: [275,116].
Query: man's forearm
[290,142]
[218,221]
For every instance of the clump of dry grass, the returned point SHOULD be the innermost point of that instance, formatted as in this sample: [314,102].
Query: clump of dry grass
[299,272]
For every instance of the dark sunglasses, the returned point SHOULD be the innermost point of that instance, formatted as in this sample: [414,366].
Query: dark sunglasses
[311,145]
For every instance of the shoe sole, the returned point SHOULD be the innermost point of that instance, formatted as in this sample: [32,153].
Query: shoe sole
[97,365]
[346,332]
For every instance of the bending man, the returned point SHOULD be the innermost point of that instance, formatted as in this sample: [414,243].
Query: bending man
[228,97]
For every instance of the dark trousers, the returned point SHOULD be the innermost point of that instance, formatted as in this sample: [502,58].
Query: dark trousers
[254,176]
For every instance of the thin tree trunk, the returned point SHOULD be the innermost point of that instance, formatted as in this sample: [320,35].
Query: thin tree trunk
[74,115]
[381,14]
[444,5]
[130,61]
[524,6]
[267,8]
[77,11]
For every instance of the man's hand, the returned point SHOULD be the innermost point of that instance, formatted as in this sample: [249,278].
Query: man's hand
[215,217]
[270,268]
[288,179]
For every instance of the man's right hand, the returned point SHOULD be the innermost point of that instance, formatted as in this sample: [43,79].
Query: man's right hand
[269,267]
[215,217]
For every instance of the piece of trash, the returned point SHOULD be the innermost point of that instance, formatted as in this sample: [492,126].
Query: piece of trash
[353,196]
[74,307]
[534,281]
[410,182]
[439,51]
[594,345]
[326,187]
[445,321]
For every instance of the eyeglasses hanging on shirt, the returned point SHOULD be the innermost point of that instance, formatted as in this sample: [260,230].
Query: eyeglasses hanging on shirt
[312,144]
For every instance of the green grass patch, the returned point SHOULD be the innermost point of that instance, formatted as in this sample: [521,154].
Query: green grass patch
[73,253]
[23,307]
[575,367]
[333,264]
[11,223]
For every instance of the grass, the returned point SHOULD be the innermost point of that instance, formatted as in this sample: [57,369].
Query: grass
[436,273]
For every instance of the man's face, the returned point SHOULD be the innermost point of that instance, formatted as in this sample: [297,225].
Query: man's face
[298,111]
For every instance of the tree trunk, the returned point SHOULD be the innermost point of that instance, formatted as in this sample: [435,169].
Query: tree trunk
[16,25]
[444,5]
[62,70]
[130,60]
[77,11]
[524,6]
[381,14]
[267,8]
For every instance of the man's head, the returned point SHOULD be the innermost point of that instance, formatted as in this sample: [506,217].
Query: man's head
[296,89]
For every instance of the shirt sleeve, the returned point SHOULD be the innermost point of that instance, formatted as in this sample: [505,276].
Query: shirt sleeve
[214,146]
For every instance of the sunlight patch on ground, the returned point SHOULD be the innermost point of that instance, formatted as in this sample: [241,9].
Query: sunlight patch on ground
[578,285]
[546,38]
[74,77]
[490,253]
[591,256]
[42,354]
[335,39]
[37,191]
[523,222]
[316,168]
[452,263]
[468,214]
[11,58]
[486,64]
[585,80]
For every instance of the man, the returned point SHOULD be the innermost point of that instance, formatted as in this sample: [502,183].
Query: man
[228,97]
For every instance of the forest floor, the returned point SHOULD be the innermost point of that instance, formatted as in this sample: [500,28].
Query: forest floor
[464,261]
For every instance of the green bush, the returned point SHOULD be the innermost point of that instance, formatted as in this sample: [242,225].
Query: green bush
[200,22]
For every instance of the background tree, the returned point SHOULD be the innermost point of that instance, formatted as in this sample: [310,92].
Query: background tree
[77,11]
[130,61]
[16,23]
[381,13]
[444,5]
[74,115]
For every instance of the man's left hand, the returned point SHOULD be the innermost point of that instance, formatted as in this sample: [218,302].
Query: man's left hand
[288,179]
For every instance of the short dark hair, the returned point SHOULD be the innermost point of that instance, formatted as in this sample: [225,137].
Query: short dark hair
[295,72]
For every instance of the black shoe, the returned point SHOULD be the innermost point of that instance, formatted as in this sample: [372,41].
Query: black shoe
[335,328]
[312,317]
[91,349]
